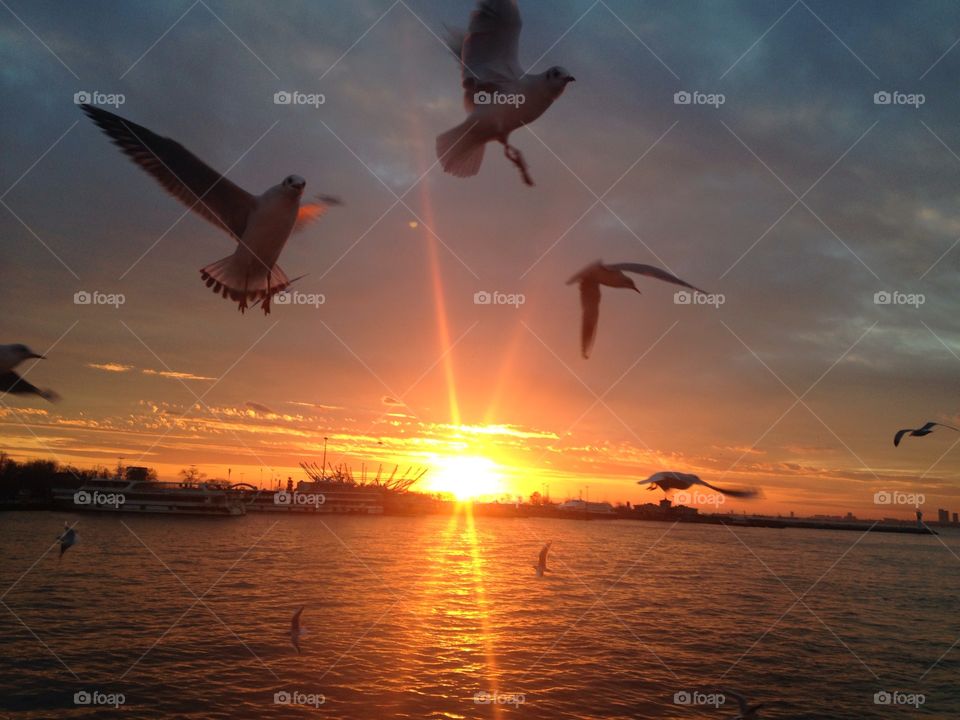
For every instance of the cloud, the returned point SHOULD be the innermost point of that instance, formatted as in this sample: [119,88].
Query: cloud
[176,375]
[318,406]
[257,407]
[110,367]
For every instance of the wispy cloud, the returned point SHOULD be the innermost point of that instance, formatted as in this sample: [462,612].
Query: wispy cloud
[175,375]
[111,367]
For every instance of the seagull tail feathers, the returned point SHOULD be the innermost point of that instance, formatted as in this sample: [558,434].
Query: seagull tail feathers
[460,152]
[233,279]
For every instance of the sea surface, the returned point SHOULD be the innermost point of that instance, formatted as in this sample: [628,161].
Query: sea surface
[444,617]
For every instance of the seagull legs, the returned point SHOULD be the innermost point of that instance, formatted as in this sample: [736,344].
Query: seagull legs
[516,157]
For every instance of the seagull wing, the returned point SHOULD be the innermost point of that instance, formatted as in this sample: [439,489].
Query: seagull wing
[938,424]
[654,272]
[590,303]
[310,211]
[899,436]
[491,47]
[295,623]
[11,382]
[732,493]
[180,172]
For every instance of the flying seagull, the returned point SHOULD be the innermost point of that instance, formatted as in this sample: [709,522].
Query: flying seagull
[10,381]
[541,566]
[919,432]
[498,95]
[68,539]
[296,631]
[747,711]
[681,481]
[597,274]
[260,224]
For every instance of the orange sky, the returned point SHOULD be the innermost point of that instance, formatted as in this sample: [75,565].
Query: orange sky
[795,384]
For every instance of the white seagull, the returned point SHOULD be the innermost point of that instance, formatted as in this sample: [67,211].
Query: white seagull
[541,566]
[681,481]
[260,224]
[498,95]
[68,539]
[596,274]
[919,432]
[10,381]
[296,630]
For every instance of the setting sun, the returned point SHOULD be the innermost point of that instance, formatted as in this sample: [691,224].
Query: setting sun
[466,477]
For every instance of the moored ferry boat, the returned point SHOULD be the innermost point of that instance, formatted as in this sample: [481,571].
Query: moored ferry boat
[326,496]
[133,494]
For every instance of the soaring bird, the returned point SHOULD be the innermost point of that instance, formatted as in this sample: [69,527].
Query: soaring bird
[681,481]
[597,274]
[747,711]
[13,355]
[919,432]
[541,566]
[10,381]
[68,539]
[498,95]
[260,224]
[296,631]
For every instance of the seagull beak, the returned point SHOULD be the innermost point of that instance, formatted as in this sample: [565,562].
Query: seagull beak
[34,355]
[571,78]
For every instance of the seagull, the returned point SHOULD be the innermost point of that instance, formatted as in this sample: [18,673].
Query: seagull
[10,381]
[498,95]
[68,539]
[296,631]
[919,432]
[597,274]
[681,481]
[260,224]
[13,355]
[541,566]
[747,711]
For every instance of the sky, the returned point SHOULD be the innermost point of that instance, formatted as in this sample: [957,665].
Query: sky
[795,200]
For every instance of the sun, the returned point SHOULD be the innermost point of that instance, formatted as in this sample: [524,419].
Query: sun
[466,477]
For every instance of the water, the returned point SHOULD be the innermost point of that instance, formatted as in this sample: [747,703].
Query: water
[412,617]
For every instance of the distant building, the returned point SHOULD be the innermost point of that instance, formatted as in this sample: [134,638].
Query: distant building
[594,508]
[943,516]
[956,518]
[134,473]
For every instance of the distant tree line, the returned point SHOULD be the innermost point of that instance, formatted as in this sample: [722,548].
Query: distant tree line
[34,480]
